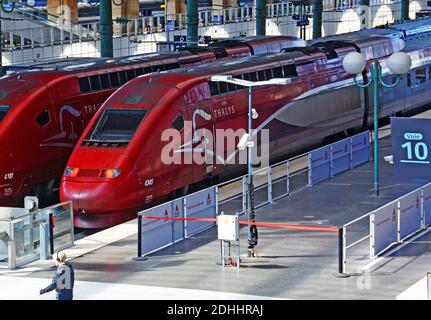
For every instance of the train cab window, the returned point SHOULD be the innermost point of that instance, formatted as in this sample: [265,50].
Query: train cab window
[104,81]
[43,118]
[277,72]
[84,85]
[178,123]
[117,125]
[95,83]
[131,74]
[3,111]
[420,76]
[115,82]
[123,77]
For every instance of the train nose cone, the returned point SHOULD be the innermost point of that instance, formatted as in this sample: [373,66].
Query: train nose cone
[87,197]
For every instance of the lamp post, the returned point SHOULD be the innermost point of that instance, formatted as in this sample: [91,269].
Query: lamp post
[252,114]
[398,63]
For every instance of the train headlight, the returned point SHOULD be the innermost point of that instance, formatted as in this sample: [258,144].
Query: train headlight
[71,172]
[110,173]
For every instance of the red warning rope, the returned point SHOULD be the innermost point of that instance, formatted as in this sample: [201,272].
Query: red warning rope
[258,224]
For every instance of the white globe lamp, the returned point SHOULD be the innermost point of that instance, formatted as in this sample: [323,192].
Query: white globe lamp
[399,63]
[354,63]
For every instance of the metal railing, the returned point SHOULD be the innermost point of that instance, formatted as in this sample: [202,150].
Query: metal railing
[25,237]
[374,233]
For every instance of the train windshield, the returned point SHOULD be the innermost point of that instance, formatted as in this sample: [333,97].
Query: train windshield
[3,111]
[117,125]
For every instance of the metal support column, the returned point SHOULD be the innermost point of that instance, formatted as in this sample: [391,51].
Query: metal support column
[106,29]
[317,18]
[405,10]
[364,14]
[192,23]
[260,17]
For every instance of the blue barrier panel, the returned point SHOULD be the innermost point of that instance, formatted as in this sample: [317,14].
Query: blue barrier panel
[201,204]
[360,148]
[340,154]
[178,226]
[385,227]
[427,203]
[156,234]
[320,165]
[410,213]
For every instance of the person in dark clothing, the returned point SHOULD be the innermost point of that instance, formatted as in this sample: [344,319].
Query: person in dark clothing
[64,278]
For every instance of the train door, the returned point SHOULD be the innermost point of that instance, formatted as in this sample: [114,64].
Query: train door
[203,139]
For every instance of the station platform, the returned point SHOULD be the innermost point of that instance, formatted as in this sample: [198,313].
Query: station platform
[291,264]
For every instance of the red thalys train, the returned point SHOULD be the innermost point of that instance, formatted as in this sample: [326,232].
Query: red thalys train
[43,112]
[116,169]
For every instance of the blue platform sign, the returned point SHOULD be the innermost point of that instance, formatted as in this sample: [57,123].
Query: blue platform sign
[411,143]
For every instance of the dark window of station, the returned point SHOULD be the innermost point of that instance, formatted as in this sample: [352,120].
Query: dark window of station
[123,77]
[95,83]
[409,80]
[247,77]
[43,118]
[421,76]
[178,123]
[222,87]
[278,72]
[131,74]
[268,74]
[84,85]
[429,73]
[115,82]
[104,81]
[139,71]
[158,68]
[213,88]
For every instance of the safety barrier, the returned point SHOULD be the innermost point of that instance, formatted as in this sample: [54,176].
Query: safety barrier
[271,183]
[386,227]
[27,236]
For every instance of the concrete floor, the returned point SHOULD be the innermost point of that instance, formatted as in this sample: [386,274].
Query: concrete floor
[292,264]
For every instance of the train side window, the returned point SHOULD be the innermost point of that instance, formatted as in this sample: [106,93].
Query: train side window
[104,81]
[115,82]
[213,88]
[231,87]
[268,74]
[277,72]
[131,74]
[178,123]
[172,66]
[43,118]
[84,85]
[290,71]
[421,76]
[123,77]
[95,83]
[222,87]
[147,70]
